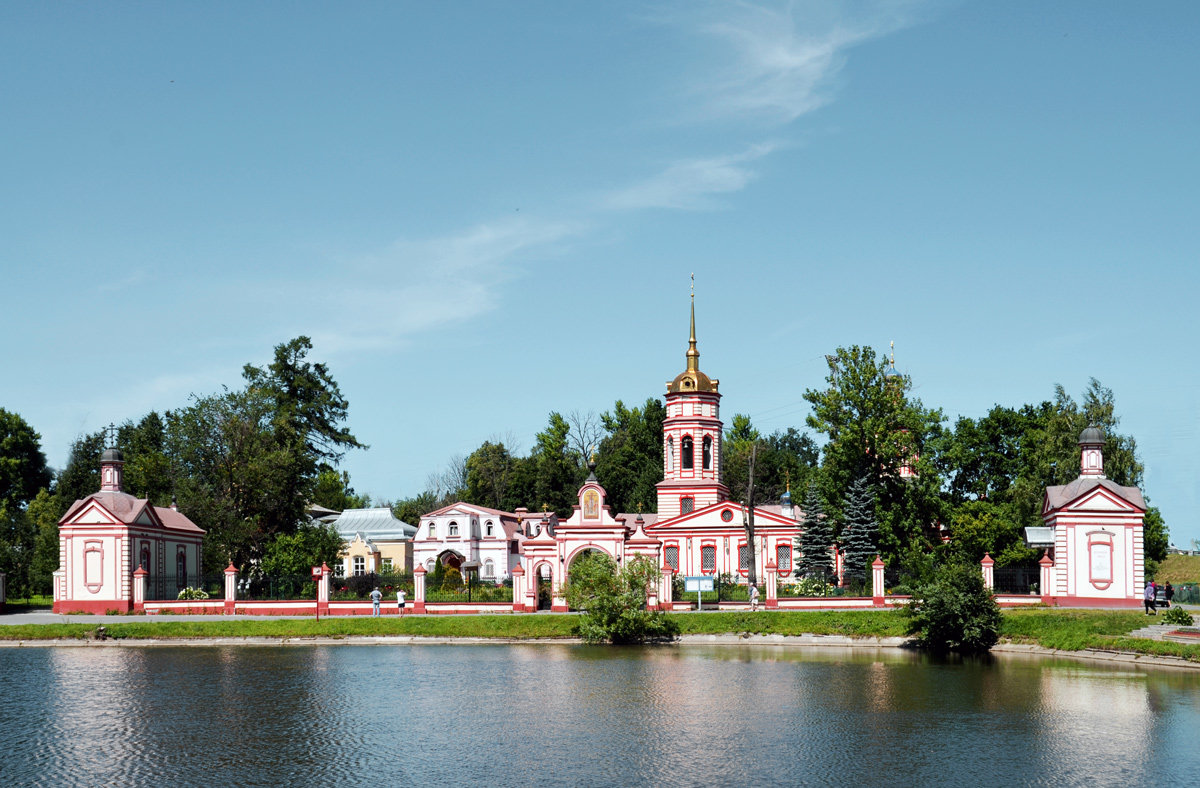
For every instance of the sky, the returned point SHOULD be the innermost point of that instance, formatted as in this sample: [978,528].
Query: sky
[483,212]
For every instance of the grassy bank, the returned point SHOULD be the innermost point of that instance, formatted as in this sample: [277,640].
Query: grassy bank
[1070,630]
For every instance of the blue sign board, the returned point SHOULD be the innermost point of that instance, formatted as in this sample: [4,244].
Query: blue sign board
[698,583]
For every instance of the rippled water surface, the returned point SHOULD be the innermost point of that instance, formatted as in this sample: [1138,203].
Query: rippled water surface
[573,715]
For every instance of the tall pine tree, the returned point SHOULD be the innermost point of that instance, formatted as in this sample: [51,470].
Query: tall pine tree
[859,530]
[816,539]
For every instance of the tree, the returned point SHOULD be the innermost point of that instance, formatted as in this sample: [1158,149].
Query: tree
[18,538]
[23,469]
[295,554]
[629,460]
[558,474]
[332,490]
[613,601]
[147,467]
[81,476]
[859,529]
[816,540]
[587,430]
[979,527]
[956,612]
[874,429]
[43,513]
[488,471]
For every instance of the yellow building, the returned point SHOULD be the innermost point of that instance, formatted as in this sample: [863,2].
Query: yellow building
[375,542]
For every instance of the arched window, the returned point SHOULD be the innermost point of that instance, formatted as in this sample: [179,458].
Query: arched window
[708,559]
[687,505]
[145,560]
[452,529]
[430,564]
[707,452]
[686,458]
[181,569]
[489,528]
[433,530]
[783,557]
[489,569]
[670,454]
[744,558]
[672,555]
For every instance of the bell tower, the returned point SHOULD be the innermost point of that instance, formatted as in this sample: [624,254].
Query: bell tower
[691,437]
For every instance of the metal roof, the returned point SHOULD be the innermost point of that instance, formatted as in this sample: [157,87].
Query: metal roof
[376,524]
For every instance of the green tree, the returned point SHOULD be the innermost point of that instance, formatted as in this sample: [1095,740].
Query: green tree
[23,469]
[333,491]
[489,471]
[859,530]
[18,540]
[874,429]
[296,553]
[629,461]
[979,527]
[956,612]
[613,601]
[558,476]
[147,467]
[816,540]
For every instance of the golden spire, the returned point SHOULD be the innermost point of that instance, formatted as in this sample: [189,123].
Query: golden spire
[693,355]
[692,379]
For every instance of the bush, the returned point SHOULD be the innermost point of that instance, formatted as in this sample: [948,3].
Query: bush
[955,612]
[613,602]
[192,593]
[1178,616]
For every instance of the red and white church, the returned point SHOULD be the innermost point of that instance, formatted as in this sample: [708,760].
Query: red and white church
[697,530]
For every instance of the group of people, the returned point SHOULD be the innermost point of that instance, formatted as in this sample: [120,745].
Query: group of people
[1151,596]
[377,597]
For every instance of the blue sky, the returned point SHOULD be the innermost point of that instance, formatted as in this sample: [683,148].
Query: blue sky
[482,212]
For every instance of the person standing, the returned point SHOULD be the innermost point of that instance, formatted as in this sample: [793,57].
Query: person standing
[1149,597]
[754,597]
[400,601]
[375,597]
[1169,593]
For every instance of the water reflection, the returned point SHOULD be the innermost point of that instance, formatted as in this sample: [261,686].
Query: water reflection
[561,715]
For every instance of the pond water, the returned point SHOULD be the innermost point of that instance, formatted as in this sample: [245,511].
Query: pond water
[574,715]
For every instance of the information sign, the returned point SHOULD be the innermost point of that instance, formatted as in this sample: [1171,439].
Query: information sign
[698,584]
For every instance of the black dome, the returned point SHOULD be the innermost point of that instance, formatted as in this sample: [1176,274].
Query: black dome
[112,455]
[1092,434]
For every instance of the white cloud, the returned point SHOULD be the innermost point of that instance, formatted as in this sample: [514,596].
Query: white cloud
[781,59]
[690,184]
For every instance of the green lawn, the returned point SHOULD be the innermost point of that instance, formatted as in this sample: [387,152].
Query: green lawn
[1070,630]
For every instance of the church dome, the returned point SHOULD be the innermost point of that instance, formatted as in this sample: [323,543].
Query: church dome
[691,380]
[111,455]
[1092,434]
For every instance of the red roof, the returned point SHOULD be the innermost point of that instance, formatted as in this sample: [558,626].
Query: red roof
[127,509]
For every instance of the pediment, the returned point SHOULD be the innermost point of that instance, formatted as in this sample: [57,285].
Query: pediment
[1099,499]
[144,518]
[713,518]
[95,514]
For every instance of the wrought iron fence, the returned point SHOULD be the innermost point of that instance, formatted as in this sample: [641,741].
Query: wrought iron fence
[160,588]
[277,587]
[1016,579]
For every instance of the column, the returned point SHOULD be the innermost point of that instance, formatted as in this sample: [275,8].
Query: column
[772,582]
[419,589]
[989,578]
[518,576]
[1047,565]
[666,597]
[877,587]
[139,588]
[323,589]
[230,588]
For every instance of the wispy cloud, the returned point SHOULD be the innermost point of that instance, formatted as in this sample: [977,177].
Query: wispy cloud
[691,184]
[780,60]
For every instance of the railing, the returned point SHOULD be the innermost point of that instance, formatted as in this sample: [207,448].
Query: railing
[1016,579]
[167,587]
[277,588]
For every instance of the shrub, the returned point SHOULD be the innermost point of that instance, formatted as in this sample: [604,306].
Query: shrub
[955,612]
[192,593]
[1178,616]
[613,601]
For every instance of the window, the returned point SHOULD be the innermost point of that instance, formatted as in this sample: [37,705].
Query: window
[339,569]
[360,565]
[672,556]
[181,569]
[707,450]
[429,565]
[686,459]
[387,566]
[452,529]
[783,557]
[687,505]
[489,570]
[670,454]
[727,515]
[708,559]
[743,558]
[489,529]
[433,530]
[145,556]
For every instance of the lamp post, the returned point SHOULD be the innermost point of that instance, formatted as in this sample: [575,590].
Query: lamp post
[468,568]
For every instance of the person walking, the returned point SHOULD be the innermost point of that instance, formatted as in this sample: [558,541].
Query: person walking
[1149,597]
[754,597]
[375,597]
[1169,593]
[400,601]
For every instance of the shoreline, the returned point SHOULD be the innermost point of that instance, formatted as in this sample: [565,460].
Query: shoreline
[1128,658]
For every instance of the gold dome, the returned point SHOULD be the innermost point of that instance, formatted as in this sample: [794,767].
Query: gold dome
[692,379]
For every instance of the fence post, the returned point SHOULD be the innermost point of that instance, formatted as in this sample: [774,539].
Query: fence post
[139,588]
[772,582]
[877,587]
[323,589]
[989,576]
[666,599]
[1047,565]
[230,588]
[518,576]
[419,589]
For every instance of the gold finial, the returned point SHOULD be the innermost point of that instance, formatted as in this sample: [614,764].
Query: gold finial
[893,352]
[693,355]
[787,474]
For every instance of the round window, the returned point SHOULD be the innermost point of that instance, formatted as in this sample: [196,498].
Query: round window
[727,515]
